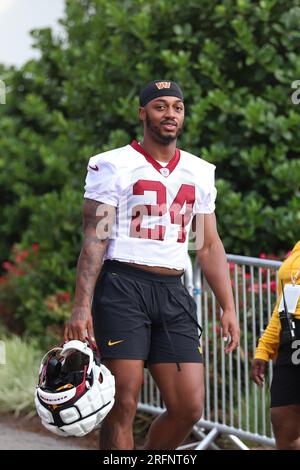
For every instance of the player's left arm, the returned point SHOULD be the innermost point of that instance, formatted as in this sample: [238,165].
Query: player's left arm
[212,258]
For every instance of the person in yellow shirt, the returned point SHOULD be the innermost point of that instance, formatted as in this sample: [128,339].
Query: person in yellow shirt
[281,341]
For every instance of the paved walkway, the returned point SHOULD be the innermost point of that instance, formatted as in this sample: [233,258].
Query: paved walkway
[14,438]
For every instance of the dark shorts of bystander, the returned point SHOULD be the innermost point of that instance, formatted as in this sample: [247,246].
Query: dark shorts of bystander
[285,387]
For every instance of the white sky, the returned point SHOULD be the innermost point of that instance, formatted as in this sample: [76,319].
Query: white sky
[17,18]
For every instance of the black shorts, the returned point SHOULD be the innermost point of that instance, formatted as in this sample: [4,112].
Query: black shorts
[285,387]
[141,315]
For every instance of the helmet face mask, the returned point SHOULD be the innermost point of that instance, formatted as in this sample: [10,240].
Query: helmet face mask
[75,392]
[61,371]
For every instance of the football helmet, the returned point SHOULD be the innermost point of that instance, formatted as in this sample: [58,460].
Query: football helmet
[75,392]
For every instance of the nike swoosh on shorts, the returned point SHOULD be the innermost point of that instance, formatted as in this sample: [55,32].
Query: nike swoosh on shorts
[112,343]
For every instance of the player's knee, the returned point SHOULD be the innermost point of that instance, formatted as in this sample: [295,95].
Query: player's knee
[190,412]
[125,405]
[194,414]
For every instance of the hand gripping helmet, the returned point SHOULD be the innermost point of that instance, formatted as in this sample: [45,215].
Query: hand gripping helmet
[75,392]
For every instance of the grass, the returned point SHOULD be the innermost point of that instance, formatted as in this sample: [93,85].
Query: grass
[18,376]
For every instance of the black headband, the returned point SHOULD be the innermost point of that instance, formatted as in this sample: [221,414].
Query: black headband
[158,88]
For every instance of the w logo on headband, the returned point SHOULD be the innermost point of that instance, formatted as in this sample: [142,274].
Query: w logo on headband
[161,85]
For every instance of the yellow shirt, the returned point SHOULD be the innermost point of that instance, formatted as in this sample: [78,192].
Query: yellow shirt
[269,342]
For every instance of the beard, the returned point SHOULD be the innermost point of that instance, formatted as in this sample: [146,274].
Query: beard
[164,139]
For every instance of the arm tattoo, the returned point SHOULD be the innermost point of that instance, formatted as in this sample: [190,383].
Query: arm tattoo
[93,249]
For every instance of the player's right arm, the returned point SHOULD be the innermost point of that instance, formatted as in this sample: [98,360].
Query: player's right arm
[98,219]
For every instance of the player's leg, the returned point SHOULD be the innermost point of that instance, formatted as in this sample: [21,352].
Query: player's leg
[116,429]
[122,333]
[286,426]
[175,339]
[183,395]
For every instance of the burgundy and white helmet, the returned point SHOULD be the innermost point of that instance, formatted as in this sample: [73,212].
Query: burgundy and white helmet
[75,392]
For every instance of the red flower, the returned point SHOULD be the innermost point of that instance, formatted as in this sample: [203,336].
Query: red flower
[35,247]
[275,257]
[231,266]
[273,286]
[255,288]
[63,297]
[268,256]
[264,272]
[264,286]
[17,271]
[50,305]
[7,265]
[21,256]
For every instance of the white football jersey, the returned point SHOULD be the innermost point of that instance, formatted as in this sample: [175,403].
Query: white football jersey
[154,204]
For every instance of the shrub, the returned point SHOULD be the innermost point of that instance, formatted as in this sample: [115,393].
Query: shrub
[236,64]
[30,302]
[19,376]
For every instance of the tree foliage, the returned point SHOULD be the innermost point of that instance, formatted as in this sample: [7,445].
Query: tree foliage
[235,60]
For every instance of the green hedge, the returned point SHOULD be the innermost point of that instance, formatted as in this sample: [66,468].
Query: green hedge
[235,60]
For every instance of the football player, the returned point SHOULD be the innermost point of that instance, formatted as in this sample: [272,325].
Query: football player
[140,203]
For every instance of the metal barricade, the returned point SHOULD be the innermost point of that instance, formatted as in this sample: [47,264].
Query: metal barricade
[234,405]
